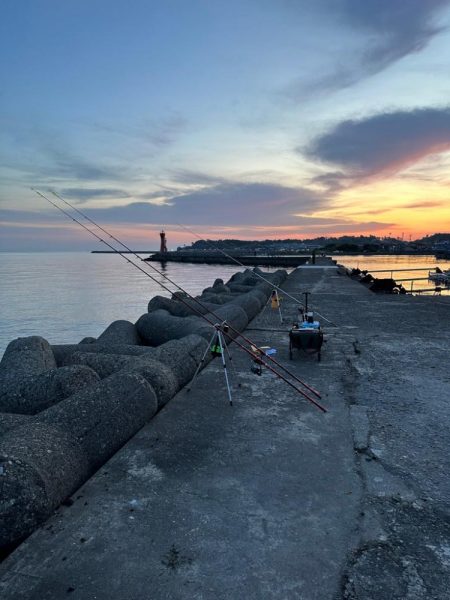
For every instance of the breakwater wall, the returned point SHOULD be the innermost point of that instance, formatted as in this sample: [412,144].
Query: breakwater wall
[217,258]
[66,409]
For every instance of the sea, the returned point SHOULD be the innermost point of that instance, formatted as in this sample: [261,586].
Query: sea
[66,296]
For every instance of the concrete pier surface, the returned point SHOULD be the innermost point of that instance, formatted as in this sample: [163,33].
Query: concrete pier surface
[270,498]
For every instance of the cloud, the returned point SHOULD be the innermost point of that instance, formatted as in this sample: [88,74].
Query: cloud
[156,132]
[382,144]
[81,195]
[181,181]
[425,204]
[332,181]
[401,27]
[228,204]
[21,230]
[163,193]
[390,30]
[347,226]
[189,177]
[166,131]
[247,210]
[41,153]
[74,151]
[304,227]
[29,217]
[64,164]
[81,151]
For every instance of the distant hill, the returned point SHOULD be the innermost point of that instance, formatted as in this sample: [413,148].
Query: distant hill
[316,242]
[350,243]
[343,244]
[435,238]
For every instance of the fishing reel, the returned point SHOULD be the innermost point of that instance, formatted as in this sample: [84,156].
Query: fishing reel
[256,368]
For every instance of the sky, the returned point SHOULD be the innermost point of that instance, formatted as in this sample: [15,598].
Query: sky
[249,119]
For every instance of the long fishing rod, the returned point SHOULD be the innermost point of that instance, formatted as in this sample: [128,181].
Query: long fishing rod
[278,288]
[304,384]
[252,354]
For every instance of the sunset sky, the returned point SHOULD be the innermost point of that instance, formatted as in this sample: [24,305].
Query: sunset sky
[236,118]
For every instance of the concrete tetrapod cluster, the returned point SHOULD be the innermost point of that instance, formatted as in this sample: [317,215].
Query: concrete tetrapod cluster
[385,285]
[66,409]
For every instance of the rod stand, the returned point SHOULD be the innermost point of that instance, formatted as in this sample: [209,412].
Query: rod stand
[275,301]
[217,347]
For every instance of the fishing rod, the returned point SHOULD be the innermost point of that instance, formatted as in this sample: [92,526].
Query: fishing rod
[196,300]
[252,354]
[278,288]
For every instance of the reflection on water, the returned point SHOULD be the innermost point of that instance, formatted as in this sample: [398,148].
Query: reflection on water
[391,263]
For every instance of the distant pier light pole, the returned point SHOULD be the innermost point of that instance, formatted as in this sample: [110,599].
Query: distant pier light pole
[163,245]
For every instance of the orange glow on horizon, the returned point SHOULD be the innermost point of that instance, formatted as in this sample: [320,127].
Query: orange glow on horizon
[408,206]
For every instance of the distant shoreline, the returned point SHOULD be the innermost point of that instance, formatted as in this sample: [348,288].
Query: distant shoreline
[124,251]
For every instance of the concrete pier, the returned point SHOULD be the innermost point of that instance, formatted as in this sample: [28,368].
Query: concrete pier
[270,498]
[217,258]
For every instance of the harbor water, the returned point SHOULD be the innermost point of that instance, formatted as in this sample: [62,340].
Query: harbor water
[70,295]
[399,267]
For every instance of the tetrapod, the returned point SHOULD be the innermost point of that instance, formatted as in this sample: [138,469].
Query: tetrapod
[217,347]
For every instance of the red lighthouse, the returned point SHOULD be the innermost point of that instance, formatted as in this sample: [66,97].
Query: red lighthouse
[163,246]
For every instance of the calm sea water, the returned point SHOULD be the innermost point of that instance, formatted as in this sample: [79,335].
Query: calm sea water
[67,296]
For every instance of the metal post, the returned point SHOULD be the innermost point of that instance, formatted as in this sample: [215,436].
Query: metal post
[222,354]
[306,294]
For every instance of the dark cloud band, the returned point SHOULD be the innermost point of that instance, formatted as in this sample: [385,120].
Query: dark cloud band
[384,143]
[392,29]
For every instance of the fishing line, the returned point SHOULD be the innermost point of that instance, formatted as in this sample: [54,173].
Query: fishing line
[196,300]
[257,274]
[252,354]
